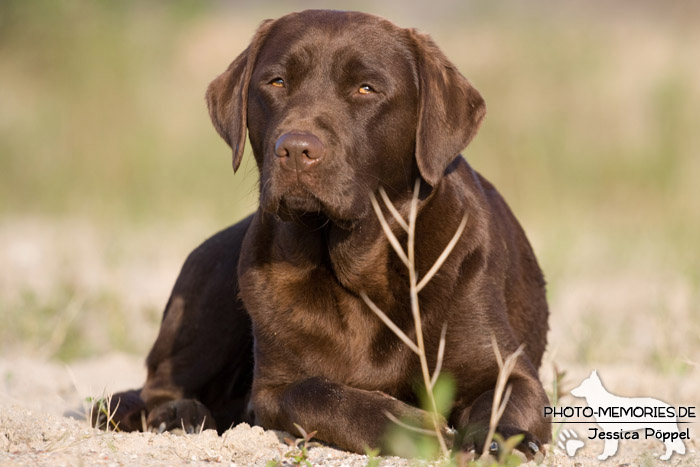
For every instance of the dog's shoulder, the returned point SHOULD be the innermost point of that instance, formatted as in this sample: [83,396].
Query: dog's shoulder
[218,254]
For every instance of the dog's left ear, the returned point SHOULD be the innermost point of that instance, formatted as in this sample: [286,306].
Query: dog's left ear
[450,110]
[227,95]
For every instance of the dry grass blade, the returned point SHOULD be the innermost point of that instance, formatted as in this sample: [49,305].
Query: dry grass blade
[394,212]
[109,413]
[408,259]
[416,429]
[390,324]
[414,205]
[497,352]
[440,357]
[445,253]
[104,409]
[501,393]
[415,309]
[690,362]
[301,430]
[387,230]
[62,328]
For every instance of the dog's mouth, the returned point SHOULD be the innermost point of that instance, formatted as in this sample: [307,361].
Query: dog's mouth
[299,204]
[299,200]
[326,192]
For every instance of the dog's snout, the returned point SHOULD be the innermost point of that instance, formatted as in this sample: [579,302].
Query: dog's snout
[299,151]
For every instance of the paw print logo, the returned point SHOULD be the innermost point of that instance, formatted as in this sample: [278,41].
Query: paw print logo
[569,442]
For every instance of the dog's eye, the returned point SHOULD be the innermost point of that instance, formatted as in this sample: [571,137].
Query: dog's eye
[366,89]
[277,82]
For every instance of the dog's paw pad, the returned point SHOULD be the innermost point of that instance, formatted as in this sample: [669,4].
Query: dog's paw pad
[569,442]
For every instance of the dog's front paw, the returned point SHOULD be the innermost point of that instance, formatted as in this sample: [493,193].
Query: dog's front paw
[188,415]
[124,411]
[475,437]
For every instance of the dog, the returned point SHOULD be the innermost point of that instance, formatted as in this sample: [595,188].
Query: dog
[266,323]
[598,397]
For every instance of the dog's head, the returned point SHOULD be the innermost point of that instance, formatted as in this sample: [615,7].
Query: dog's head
[339,103]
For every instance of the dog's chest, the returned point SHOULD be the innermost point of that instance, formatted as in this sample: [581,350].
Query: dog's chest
[324,329]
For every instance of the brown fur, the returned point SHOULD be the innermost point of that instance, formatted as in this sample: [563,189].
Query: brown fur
[266,315]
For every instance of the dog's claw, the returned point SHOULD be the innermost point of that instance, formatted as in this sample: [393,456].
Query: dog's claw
[533,447]
[161,427]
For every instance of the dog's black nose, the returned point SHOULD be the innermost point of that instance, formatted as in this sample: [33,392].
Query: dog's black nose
[299,151]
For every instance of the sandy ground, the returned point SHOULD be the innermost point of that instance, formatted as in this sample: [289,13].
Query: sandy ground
[139,269]
[35,394]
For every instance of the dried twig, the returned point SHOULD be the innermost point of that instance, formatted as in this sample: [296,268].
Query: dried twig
[446,252]
[390,324]
[387,231]
[394,212]
[501,393]
[440,357]
[416,429]
[408,258]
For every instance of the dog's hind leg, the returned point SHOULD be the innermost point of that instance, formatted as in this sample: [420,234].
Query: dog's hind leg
[200,368]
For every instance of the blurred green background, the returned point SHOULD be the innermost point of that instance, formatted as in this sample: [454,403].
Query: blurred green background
[110,170]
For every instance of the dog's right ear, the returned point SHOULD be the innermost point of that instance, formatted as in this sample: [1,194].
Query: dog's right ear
[227,95]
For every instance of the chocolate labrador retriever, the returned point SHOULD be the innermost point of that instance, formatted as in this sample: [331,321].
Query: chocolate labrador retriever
[266,322]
